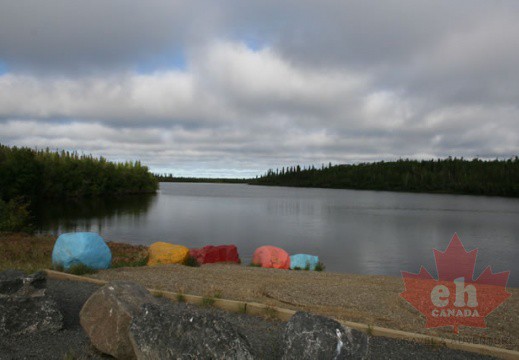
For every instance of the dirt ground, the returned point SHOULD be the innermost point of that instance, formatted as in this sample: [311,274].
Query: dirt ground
[367,299]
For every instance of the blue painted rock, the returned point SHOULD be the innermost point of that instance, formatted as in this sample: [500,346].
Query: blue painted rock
[302,261]
[81,248]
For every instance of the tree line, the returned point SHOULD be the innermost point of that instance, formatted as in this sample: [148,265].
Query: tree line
[183,179]
[451,175]
[27,175]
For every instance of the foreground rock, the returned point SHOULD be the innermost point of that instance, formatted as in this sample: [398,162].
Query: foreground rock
[106,316]
[24,307]
[85,248]
[159,332]
[311,337]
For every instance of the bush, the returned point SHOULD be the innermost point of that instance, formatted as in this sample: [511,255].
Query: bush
[14,215]
[191,261]
[320,266]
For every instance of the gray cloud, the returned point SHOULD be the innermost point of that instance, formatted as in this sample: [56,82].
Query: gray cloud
[238,87]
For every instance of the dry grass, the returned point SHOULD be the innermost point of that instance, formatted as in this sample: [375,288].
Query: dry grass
[25,252]
[31,253]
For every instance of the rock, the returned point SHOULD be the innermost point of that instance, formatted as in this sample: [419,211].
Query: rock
[15,283]
[24,308]
[84,248]
[106,316]
[166,253]
[271,257]
[161,333]
[11,281]
[214,254]
[309,336]
[303,261]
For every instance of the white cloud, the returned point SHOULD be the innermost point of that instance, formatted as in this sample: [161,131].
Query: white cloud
[341,82]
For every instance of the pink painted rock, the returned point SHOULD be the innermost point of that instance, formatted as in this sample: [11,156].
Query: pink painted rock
[214,254]
[271,257]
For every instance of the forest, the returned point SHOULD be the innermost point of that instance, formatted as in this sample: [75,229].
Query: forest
[180,179]
[27,175]
[451,175]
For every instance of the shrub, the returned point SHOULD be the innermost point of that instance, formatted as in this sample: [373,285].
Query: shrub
[191,261]
[320,266]
[14,215]
[81,269]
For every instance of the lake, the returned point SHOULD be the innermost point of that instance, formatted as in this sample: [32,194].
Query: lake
[365,232]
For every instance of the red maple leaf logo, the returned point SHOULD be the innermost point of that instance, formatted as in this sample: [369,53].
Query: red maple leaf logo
[455,298]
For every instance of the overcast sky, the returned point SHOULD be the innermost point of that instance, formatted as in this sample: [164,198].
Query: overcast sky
[232,88]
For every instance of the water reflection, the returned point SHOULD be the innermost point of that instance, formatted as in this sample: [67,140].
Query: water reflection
[92,214]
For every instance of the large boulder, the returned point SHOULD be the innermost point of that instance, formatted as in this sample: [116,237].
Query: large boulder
[85,248]
[162,332]
[271,257]
[24,307]
[303,261]
[311,337]
[214,254]
[166,253]
[106,316]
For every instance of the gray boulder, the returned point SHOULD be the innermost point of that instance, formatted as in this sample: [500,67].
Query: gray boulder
[309,337]
[164,332]
[24,308]
[106,316]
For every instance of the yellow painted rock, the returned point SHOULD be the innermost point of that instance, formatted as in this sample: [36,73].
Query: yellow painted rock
[166,253]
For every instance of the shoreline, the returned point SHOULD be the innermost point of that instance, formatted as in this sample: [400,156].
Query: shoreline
[370,299]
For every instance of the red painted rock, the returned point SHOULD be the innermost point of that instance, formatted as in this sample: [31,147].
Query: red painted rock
[271,257]
[213,254]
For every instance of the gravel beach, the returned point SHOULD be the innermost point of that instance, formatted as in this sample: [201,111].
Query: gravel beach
[264,336]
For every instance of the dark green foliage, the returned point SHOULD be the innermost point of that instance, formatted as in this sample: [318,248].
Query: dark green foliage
[254,265]
[171,178]
[37,174]
[14,215]
[81,269]
[191,261]
[320,266]
[77,269]
[457,176]
[139,263]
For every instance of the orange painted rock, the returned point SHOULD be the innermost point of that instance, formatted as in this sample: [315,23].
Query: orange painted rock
[213,254]
[271,257]
[166,253]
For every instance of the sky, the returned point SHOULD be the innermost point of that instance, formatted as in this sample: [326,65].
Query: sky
[232,88]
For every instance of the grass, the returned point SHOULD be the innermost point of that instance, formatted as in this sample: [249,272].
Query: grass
[270,313]
[158,294]
[208,301]
[369,330]
[31,253]
[25,252]
[181,298]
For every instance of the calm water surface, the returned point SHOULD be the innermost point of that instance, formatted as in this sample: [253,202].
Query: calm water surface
[367,232]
